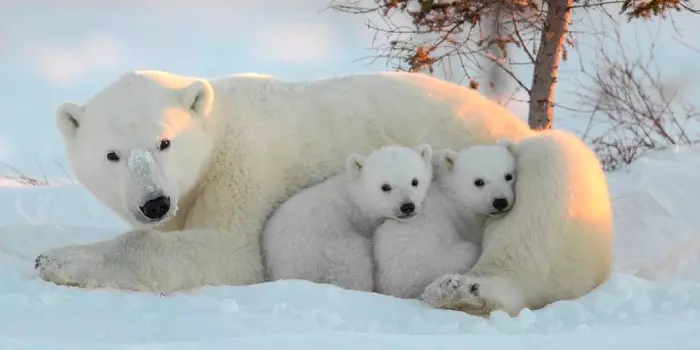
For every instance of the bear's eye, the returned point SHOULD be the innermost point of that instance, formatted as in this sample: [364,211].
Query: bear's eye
[479,183]
[112,157]
[509,177]
[414,183]
[164,144]
[386,188]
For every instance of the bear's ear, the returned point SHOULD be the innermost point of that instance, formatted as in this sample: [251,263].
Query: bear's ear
[447,158]
[426,152]
[68,116]
[198,98]
[507,143]
[354,163]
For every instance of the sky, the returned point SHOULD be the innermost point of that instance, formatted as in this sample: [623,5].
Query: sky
[53,51]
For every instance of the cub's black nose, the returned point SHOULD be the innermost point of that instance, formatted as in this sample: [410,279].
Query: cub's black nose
[500,203]
[408,208]
[156,208]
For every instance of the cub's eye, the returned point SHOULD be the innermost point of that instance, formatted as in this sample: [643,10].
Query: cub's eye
[414,183]
[509,177]
[479,183]
[386,188]
[112,157]
[164,144]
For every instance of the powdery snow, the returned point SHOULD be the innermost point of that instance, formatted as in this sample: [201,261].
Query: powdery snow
[652,302]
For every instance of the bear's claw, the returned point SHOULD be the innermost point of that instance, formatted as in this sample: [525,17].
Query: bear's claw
[474,289]
[43,261]
[39,261]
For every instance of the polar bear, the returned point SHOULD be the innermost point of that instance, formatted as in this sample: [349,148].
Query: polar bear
[196,165]
[324,233]
[445,237]
[556,242]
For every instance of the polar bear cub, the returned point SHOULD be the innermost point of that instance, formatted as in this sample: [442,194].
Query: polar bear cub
[554,244]
[324,233]
[446,235]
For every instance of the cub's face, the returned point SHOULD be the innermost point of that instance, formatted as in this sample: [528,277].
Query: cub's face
[481,178]
[138,146]
[392,181]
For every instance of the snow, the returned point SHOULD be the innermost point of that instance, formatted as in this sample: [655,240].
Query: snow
[651,302]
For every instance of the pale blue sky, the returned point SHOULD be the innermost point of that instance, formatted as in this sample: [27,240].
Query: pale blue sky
[53,51]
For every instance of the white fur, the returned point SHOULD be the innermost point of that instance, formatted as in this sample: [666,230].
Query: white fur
[446,236]
[240,145]
[323,233]
[554,244]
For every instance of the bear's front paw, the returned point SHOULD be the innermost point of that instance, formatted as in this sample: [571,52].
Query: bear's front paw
[443,289]
[70,266]
[457,292]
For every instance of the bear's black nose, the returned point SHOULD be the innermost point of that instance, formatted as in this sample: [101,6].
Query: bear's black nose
[408,208]
[156,208]
[500,203]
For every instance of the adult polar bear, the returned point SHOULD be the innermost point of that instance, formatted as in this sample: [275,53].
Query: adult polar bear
[196,166]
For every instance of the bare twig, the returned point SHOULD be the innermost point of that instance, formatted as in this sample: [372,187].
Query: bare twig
[643,111]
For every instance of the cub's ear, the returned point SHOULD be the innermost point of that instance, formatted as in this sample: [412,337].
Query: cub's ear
[68,116]
[198,98]
[426,152]
[354,163]
[507,143]
[446,159]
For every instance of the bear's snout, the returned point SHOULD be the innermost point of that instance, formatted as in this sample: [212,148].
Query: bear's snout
[407,208]
[500,204]
[156,208]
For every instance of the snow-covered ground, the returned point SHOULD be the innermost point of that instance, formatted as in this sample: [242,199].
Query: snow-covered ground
[652,301]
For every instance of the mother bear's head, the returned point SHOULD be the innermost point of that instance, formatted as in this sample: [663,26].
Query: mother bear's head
[140,144]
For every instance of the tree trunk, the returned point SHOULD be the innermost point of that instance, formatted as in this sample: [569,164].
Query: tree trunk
[546,70]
